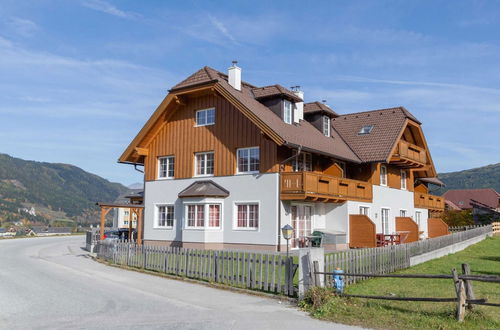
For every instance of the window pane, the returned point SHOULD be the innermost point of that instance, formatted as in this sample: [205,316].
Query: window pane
[254,159]
[170,216]
[242,160]
[253,216]
[161,216]
[214,215]
[287,112]
[200,215]
[242,216]
[326,125]
[209,163]
[200,164]
[210,116]
[171,165]
[201,118]
[191,215]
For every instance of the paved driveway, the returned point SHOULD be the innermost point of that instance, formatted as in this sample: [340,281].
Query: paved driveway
[51,283]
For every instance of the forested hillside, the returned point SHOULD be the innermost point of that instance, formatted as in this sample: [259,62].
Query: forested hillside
[63,190]
[481,177]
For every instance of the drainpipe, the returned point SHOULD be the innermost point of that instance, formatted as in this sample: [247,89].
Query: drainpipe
[299,150]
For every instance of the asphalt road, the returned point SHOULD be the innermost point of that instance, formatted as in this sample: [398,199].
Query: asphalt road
[51,283]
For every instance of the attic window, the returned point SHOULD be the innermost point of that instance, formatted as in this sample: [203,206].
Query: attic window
[366,130]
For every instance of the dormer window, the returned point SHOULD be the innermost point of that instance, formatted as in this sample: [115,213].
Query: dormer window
[287,111]
[326,125]
[367,129]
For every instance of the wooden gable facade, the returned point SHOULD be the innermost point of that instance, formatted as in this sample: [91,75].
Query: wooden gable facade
[179,136]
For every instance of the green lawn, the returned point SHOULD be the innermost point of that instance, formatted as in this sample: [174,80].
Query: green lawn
[483,258]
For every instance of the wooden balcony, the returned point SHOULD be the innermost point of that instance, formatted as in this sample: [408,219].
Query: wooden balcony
[408,155]
[431,202]
[325,188]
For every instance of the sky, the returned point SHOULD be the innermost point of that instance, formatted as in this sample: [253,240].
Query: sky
[78,79]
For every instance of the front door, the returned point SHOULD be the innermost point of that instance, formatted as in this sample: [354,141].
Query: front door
[302,225]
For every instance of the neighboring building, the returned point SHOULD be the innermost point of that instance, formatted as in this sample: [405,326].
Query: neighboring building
[227,164]
[482,202]
[4,232]
[122,217]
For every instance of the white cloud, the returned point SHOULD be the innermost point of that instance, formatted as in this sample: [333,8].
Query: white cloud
[22,26]
[221,28]
[107,8]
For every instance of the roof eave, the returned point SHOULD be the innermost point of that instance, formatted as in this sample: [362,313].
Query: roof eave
[296,146]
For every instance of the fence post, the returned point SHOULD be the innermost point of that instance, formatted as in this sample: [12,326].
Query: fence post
[306,260]
[469,292]
[461,298]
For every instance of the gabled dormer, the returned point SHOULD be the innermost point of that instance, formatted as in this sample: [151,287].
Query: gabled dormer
[320,116]
[284,103]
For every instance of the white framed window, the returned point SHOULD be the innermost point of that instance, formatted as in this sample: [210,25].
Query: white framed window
[205,117]
[204,163]
[384,215]
[302,162]
[246,216]
[201,216]
[287,111]
[248,160]
[403,179]
[383,175]
[403,213]
[364,210]
[326,125]
[166,167]
[165,216]
[418,217]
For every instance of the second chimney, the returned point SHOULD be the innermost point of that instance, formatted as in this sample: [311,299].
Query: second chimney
[299,106]
[234,76]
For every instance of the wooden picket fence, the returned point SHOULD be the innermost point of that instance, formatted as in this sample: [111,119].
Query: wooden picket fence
[388,259]
[268,272]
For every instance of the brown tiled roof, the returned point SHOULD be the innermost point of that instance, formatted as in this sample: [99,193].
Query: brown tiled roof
[464,198]
[203,76]
[274,90]
[345,142]
[313,107]
[376,146]
[302,134]
[450,205]
[204,188]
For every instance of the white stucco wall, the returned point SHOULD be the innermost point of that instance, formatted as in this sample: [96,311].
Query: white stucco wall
[261,188]
[393,199]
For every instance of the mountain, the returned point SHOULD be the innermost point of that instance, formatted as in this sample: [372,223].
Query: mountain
[481,177]
[136,185]
[57,190]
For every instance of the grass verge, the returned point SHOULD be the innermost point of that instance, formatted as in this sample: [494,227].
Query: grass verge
[483,258]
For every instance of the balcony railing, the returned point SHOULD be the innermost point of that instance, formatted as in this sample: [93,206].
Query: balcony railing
[409,155]
[315,186]
[427,201]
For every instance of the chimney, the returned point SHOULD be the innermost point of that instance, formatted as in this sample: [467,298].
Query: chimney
[234,76]
[299,106]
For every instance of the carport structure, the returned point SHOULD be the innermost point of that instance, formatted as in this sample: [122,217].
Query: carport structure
[136,209]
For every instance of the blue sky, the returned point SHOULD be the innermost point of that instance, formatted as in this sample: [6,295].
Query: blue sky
[78,79]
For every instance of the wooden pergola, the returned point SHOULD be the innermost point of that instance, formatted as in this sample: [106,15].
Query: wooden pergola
[134,209]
